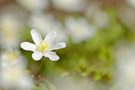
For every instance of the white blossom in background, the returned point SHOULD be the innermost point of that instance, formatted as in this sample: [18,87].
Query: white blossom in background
[74,82]
[62,34]
[125,68]
[101,19]
[91,9]
[43,23]
[131,2]
[34,5]
[43,47]
[13,72]
[69,5]
[46,23]
[15,77]
[10,27]
[125,12]
[10,58]
[97,15]
[11,23]
[79,29]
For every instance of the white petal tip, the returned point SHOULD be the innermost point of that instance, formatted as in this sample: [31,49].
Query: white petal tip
[64,45]
[28,46]
[33,30]
[36,56]
[35,59]
[55,59]
[52,56]
[54,33]
[22,45]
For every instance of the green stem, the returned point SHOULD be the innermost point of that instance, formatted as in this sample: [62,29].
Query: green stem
[40,67]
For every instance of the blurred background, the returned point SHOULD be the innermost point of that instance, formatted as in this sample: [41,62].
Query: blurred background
[100,38]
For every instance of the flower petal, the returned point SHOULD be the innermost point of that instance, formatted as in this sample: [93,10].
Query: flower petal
[28,46]
[52,56]
[50,37]
[36,37]
[37,56]
[59,46]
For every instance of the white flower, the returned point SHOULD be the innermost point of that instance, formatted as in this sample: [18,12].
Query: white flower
[91,9]
[101,16]
[71,81]
[11,23]
[34,5]
[10,27]
[10,58]
[43,23]
[69,5]
[125,67]
[97,15]
[62,33]
[127,12]
[15,77]
[131,2]
[46,23]
[79,29]
[13,72]
[43,47]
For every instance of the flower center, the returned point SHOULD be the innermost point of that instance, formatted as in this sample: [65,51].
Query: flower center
[42,47]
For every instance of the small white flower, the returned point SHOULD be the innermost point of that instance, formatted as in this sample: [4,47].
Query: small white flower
[103,17]
[125,67]
[10,27]
[79,29]
[13,71]
[131,3]
[43,23]
[62,33]
[11,58]
[70,5]
[15,77]
[34,5]
[97,15]
[38,21]
[43,47]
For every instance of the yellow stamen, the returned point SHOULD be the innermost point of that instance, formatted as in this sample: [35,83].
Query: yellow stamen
[42,47]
